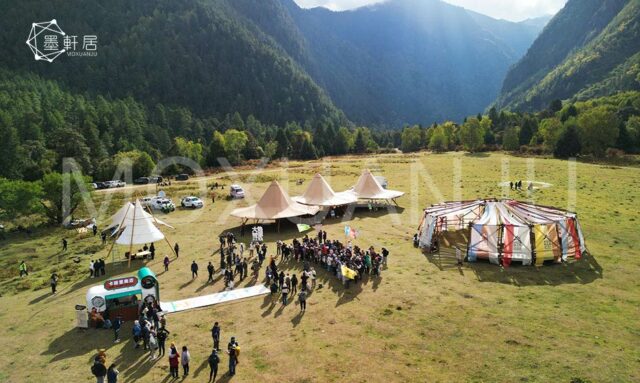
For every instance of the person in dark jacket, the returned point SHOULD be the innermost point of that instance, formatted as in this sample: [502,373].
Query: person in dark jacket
[99,370]
[161,335]
[117,325]
[194,269]
[210,270]
[176,248]
[214,360]
[215,334]
[112,374]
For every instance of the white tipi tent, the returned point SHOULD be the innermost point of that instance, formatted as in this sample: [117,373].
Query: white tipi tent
[135,226]
[319,193]
[368,187]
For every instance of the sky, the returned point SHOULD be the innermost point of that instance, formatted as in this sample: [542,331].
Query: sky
[514,10]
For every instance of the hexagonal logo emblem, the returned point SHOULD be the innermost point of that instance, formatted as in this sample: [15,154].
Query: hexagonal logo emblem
[45,40]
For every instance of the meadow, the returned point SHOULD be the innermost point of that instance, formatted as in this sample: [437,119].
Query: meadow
[423,320]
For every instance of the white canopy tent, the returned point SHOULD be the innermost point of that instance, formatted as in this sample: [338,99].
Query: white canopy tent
[320,193]
[135,226]
[368,187]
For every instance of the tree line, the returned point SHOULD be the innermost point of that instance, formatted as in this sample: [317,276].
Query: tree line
[598,127]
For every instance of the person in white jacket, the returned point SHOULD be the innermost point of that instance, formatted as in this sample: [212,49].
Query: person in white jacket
[185,358]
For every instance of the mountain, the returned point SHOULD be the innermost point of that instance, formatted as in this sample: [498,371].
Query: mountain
[192,53]
[589,49]
[401,61]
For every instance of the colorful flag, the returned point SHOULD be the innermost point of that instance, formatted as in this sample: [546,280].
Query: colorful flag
[348,273]
[303,227]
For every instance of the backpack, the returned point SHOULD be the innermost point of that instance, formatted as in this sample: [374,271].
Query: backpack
[94,369]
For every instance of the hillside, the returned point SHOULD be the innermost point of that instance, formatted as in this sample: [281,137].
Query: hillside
[194,54]
[402,61]
[589,49]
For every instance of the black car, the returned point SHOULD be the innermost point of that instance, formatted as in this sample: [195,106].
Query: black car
[182,177]
[141,181]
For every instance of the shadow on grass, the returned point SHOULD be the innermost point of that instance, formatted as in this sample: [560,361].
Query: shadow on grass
[583,271]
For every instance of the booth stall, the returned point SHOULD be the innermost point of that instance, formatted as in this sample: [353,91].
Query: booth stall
[123,296]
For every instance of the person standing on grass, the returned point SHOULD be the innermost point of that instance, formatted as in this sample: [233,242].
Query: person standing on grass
[153,343]
[54,283]
[64,244]
[161,335]
[112,374]
[245,268]
[294,284]
[103,236]
[194,269]
[152,250]
[137,333]
[215,334]
[23,269]
[176,248]
[302,298]
[385,255]
[185,358]
[117,325]
[210,270]
[214,360]
[166,263]
[233,349]
[285,294]
[99,370]
[95,229]
[174,361]
[92,267]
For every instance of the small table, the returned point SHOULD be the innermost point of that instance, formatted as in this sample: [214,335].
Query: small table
[141,254]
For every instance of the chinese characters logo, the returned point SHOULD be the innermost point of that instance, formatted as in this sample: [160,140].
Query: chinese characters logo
[47,41]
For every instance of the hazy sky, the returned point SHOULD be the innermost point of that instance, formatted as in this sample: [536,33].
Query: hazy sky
[514,10]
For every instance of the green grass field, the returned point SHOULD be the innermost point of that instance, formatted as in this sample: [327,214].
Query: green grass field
[424,320]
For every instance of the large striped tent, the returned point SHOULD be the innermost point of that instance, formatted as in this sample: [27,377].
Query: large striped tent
[503,231]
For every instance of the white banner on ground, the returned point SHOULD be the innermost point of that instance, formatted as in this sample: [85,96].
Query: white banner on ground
[212,299]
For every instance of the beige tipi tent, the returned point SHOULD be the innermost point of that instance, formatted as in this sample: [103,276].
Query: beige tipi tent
[368,187]
[319,193]
[274,204]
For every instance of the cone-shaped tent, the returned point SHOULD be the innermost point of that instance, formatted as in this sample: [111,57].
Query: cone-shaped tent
[125,215]
[319,193]
[139,227]
[368,187]
[275,203]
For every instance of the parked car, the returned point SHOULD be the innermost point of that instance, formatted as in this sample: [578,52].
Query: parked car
[191,201]
[146,201]
[236,191]
[182,177]
[155,179]
[120,184]
[163,204]
[141,181]
[100,185]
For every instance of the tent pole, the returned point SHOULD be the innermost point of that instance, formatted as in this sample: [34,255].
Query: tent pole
[133,227]
[119,228]
[163,234]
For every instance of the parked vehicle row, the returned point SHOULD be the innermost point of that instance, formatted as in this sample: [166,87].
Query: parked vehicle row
[109,184]
[148,180]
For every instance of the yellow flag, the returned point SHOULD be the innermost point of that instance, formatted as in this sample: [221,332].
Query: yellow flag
[348,273]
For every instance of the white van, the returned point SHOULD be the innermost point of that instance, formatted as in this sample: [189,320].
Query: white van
[236,191]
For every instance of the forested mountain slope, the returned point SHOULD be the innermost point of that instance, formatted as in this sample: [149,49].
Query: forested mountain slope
[589,49]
